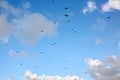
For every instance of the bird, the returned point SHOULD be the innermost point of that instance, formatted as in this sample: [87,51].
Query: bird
[52,1]
[55,21]
[41,52]
[66,8]
[66,15]
[41,31]
[20,64]
[53,43]
[108,17]
[65,68]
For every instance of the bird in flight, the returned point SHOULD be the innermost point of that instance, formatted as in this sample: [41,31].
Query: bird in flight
[108,17]
[66,8]
[66,15]
[55,21]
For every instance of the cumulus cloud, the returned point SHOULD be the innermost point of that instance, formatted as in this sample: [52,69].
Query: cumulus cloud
[27,26]
[91,6]
[17,54]
[109,69]
[111,5]
[31,27]
[32,76]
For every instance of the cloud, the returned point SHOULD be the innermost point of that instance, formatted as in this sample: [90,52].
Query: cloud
[118,45]
[33,26]
[27,26]
[100,25]
[91,6]
[17,54]
[111,5]
[98,41]
[109,69]
[8,9]
[11,78]
[31,76]
[5,28]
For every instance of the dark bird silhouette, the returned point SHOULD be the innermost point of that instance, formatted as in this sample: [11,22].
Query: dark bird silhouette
[41,31]
[55,21]
[66,15]
[52,1]
[65,68]
[53,43]
[108,17]
[20,64]
[66,8]
[41,52]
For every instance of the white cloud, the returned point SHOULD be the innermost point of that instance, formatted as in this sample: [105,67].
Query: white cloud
[109,69]
[31,27]
[111,5]
[8,9]
[100,25]
[5,28]
[17,54]
[31,76]
[98,41]
[91,6]
[28,27]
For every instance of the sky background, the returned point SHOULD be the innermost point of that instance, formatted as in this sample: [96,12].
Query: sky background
[59,39]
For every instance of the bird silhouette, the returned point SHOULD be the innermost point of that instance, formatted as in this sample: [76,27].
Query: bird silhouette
[108,17]
[66,8]
[66,15]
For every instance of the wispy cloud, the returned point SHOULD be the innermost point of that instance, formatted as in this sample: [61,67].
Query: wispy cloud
[98,41]
[100,25]
[27,26]
[91,6]
[32,76]
[111,5]
[109,69]
[17,54]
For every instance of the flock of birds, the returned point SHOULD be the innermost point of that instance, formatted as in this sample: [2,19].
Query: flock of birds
[53,44]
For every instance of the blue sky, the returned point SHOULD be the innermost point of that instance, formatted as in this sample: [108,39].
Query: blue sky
[39,42]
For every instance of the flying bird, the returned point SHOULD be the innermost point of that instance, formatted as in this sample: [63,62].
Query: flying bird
[53,43]
[41,31]
[55,21]
[52,1]
[108,17]
[41,52]
[66,8]
[66,15]
[20,64]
